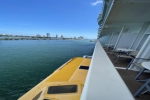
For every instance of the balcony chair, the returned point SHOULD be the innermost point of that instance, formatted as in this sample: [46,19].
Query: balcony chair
[125,55]
[145,86]
[117,52]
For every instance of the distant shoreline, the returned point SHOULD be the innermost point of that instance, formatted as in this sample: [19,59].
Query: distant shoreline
[20,38]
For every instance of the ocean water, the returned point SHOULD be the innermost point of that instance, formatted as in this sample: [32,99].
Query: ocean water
[25,63]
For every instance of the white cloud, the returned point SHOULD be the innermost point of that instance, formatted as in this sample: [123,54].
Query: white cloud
[96,2]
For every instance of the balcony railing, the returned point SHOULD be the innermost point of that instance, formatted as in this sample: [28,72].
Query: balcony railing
[99,17]
[103,82]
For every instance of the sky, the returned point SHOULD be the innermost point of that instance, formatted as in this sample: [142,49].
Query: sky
[62,17]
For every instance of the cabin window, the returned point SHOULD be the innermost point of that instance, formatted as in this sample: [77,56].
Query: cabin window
[62,89]
[84,67]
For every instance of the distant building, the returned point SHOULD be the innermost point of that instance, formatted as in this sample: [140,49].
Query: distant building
[56,36]
[75,38]
[62,36]
[80,38]
[3,35]
[48,34]
[38,35]
[67,38]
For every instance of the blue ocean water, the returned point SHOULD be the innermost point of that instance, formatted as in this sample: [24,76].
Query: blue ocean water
[25,63]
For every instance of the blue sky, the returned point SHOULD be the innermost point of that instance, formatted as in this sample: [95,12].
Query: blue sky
[63,17]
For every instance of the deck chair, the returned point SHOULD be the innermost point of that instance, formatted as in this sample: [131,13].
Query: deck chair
[145,86]
[110,47]
[134,53]
[117,52]
[131,55]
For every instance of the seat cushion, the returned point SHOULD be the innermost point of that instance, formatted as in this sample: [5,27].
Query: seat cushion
[125,56]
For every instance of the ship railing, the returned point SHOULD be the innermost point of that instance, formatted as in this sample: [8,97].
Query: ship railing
[103,82]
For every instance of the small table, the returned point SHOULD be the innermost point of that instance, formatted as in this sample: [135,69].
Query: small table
[146,65]
[125,49]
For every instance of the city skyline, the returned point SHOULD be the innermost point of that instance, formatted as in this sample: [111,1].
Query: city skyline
[39,35]
[31,17]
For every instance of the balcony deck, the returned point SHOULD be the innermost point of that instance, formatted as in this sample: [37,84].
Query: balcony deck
[129,75]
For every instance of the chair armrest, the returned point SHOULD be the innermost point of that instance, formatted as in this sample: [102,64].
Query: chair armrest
[142,58]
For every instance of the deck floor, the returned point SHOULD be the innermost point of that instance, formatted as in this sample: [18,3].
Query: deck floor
[128,76]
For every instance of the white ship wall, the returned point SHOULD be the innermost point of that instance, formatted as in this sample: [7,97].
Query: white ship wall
[104,40]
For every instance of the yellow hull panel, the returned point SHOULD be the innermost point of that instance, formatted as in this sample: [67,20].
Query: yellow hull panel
[67,74]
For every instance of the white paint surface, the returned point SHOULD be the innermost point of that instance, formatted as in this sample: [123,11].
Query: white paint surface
[103,82]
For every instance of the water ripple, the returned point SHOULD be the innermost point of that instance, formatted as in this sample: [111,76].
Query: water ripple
[24,63]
